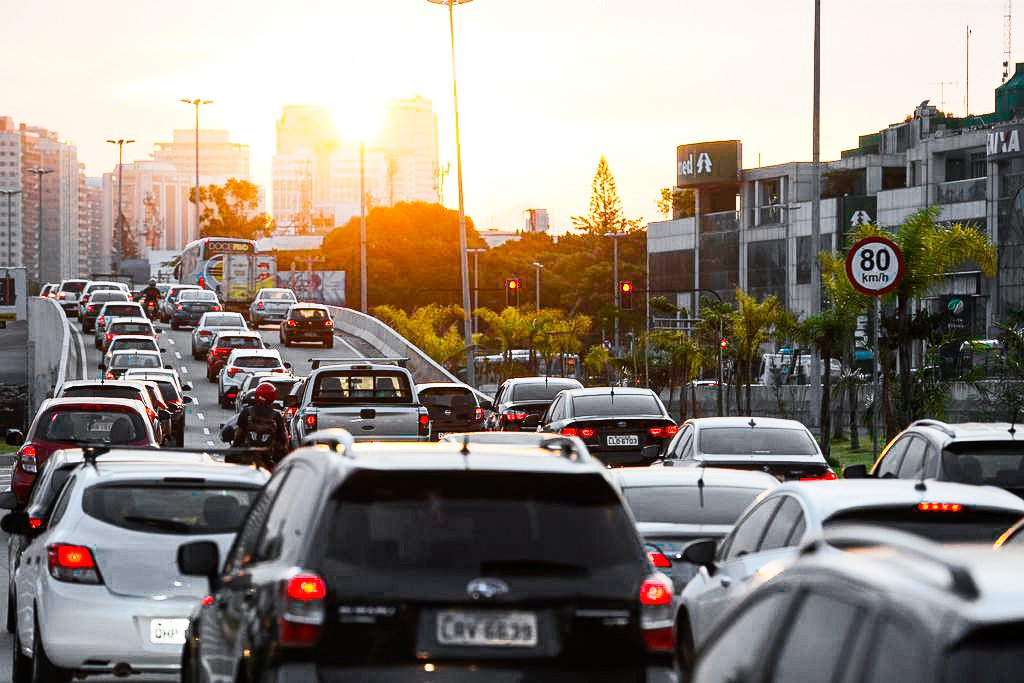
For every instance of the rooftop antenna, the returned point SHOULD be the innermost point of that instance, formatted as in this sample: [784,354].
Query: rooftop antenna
[751,424]
[1007,38]
[942,93]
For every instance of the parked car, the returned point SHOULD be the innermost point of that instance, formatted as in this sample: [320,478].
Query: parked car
[271,304]
[971,453]
[521,402]
[784,448]
[68,293]
[116,327]
[469,564]
[170,300]
[172,390]
[781,520]
[242,361]
[223,344]
[899,609]
[89,312]
[452,407]
[208,328]
[620,425]
[108,312]
[71,422]
[106,555]
[374,401]
[191,305]
[307,322]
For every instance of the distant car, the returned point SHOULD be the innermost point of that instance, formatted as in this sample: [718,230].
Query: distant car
[130,342]
[126,326]
[107,559]
[68,293]
[111,310]
[170,300]
[784,448]
[986,454]
[95,286]
[89,312]
[521,402]
[135,391]
[226,341]
[242,361]
[270,305]
[191,305]
[49,290]
[452,407]
[172,390]
[209,326]
[620,425]
[307,322]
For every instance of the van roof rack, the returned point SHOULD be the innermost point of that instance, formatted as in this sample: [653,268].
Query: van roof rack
[320,362]
[936,424]
[862,535]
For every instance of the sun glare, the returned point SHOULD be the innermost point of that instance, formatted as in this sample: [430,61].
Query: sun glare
[358,119]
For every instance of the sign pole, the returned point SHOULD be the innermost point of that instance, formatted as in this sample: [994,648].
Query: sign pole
[876,413]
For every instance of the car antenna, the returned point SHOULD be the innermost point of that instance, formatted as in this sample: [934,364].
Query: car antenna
[1013,425]
[465,446]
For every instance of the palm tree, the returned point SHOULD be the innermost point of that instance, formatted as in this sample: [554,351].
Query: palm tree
[752,322]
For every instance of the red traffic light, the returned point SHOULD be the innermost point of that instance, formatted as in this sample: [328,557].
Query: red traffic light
[626,286]
[512,283]
[724,344]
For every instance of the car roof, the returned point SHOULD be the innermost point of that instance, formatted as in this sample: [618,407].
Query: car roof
[98,383]
[609,391]
[239,333]
[826,498]
[968,431]
[542,379]
[179,285]
[143,374]
[214,314]
[759,422]
[158,470]
[92,401]
[643,477]
[73,455]
[368,366]
[199,290]
[274,289]
[123,303]
[257,352]
[136,352]
[129,337]
[130,319]
[308,304]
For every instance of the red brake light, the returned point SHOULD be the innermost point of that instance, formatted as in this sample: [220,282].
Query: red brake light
[424,420]
[291,323]
[671,430]
[27,457]
[231,372]
[216,308]
[101,321]
[109,336]
[72,563]
[940,507]
[306,587]
[302,615]
[658,559]
[656,614]
[478,414]
[91,309]
[207,601]
[311,421]
[328,323]
[62,295]
[656,432]
[587,432]
[35,522]
[829,475]
[150,412]
[570,431]
[109,375]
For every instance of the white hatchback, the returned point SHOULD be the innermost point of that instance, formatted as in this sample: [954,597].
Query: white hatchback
[239,364]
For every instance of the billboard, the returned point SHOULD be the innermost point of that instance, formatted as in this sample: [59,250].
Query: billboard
[707,164]
[1005,142]
[320,286]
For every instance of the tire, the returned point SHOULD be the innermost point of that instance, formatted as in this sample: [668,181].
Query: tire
[686,651]
[329,342]
[212,379]
[43,670]
[12,610]
[285,342]
[21,666]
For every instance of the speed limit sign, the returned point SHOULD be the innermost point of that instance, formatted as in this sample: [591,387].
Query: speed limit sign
[874,265]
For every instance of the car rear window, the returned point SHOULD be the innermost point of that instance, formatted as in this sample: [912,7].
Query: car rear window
[994,463]
[102,391]
[357,387]
[482,523]
[968,525]
[688,504]
[444,397]
[168,508]
[92,426]
[133,344]
[539,391]
[609,405]
[745,441]
[135,360]
[108,295]
[277,296]
[240,342]
[224,321]
[122,311]
[308,314]
[73,286]
[197,295]
[257,362]
[131,328]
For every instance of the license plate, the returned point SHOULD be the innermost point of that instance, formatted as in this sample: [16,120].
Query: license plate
[623,440]
[487,629]
[167,631]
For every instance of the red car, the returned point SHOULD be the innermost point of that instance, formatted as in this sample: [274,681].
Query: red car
[74,422]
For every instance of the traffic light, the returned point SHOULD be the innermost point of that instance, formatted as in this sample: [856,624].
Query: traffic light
[626,294]
[512,287]
[723,344]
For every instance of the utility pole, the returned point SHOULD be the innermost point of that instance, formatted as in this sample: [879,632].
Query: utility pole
[616,236]
[816,195]
[196,103]
[537,266]
[476,285]
[10,228]
[362,227]
[118,236]
[39,172]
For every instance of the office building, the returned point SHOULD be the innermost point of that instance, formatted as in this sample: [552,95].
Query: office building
[219,158]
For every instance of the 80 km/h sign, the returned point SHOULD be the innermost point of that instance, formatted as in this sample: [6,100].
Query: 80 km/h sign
[874,265]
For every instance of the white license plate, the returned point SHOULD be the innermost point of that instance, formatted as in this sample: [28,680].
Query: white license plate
[487,629]
[623,440]
[167,631]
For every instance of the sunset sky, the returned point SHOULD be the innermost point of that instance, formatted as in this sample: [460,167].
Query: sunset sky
[546,86]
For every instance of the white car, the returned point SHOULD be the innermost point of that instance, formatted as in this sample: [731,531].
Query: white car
[68,293]
[122,361]
[119,326]
[98,592]
[97,286]
[270,305]
[209,325]
[110,311]
[241,362]
[130,342]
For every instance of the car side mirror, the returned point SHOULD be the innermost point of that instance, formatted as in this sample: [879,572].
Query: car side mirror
[168,367]
[187,386]
[14,437]
[701,553]
[16,523]
[291,401]
[858,471]
[200,558]
[9,501]
[188,400]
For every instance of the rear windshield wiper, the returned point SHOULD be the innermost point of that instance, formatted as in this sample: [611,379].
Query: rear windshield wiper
[164,524]
[532,568]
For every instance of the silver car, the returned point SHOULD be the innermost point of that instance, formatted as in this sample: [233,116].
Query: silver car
[111,310]
[209,325]
[270,305]
[98,590]
[241,362]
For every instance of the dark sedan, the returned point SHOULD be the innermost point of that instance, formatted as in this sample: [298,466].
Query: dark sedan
[520,403]
[191,306]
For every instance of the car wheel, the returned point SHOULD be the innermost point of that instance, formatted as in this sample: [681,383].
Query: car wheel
[42,668]
[329,341]
[21,666]
[11,610]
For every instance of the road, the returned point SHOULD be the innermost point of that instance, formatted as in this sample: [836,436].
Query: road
[202,424]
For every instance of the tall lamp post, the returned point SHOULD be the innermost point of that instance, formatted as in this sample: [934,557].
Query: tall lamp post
[39,172]
[196,103]
[537,265]
[816,197]
[616,236]
[362,226]
[10,227]
[467,320]
[119,223]
[476,284]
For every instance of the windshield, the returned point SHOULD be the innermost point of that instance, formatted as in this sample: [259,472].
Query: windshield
[73,286]
[228,320]
[618,405]
[108,295]
[131,328]
[388,387]
[123,311]
[992,463]
[968,525]
[135,360]
[129,344]
[540,391]
[240,342]
[92,426]
[688,504]
[164,508]
[446,397]
[102,391]
[197,295]
[277,296]
[308,314]
[755,441]
[257,362]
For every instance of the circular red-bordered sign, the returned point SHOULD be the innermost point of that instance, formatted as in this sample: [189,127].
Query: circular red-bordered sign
[874,265]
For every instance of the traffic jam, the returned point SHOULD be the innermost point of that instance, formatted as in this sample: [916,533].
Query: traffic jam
[245,495]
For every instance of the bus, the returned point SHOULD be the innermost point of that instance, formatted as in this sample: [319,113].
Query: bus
[228,266]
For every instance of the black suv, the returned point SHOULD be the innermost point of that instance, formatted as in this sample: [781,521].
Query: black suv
[404,561]
[901,608]
[984,454]
[453,408]
[520,403]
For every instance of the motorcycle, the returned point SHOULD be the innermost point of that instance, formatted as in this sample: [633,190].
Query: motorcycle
[149,305]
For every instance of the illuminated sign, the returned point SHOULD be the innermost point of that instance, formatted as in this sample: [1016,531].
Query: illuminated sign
[706,164]
[229,246]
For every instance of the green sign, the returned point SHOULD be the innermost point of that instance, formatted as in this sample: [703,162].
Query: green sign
[707,164]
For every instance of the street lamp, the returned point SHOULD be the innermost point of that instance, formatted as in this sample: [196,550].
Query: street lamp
[616,236]
[537,266]
[10,229]
[119,223]
[362,226]
[39,172]
[467,320]
[196,104]
[476,283]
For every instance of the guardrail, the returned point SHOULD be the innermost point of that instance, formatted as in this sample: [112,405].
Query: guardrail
[49,352]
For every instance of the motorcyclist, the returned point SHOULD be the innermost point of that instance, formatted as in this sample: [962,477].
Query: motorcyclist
[151,294]
[262,426]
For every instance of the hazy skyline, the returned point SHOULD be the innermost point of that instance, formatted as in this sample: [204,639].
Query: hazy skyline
[546,88]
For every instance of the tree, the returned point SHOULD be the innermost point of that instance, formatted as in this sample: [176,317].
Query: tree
[752,322]
[597,362]
[675,202]
[434,329]
[681,356]
[605,206]
[232,210]
[930,250]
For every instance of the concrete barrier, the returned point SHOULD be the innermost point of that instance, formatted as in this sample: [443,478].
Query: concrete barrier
[49,339]
[383,338]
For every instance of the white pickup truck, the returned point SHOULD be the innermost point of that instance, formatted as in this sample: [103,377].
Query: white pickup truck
[374,401]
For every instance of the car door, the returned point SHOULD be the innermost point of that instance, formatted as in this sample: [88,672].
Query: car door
[820,637]
[888,466]
[711,592]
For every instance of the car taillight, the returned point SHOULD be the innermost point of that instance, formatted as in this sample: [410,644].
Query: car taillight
[671,430]
[90,309]
[180,307]
[72,563]
[280,370]
[478,414]
[216,308]
[311,422]
[328,323]
[301,617]
[109,375]
[658,559]
[587,432]
[288,412]
[35,523]
[205,333]
[940,507]
[101,321]
[62,295]
[424,424]
[829,475]
[513,416]
[656,614]
[150,412]
[292,323]
[109,336]
[259,305]
[570,431]
[27,456]
[656,432]
[231,372]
